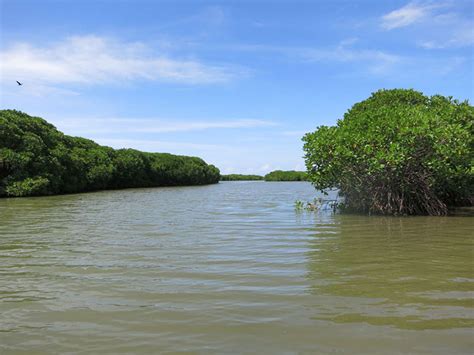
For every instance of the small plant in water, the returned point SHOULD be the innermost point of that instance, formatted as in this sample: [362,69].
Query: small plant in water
[318,204]
[299,205]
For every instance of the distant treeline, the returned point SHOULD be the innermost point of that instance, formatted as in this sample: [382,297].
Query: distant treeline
[290,175]
[240,177]
[277,175]
[37,159]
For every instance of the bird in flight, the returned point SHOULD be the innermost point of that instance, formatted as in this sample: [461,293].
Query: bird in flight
[19,83]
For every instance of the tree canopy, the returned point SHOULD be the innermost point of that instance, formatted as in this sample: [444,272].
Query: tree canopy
[398,152]
[37,159]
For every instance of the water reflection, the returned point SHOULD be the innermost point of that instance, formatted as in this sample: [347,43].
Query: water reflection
[413,273]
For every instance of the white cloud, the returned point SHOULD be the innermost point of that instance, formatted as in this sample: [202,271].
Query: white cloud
[298,133]
[99,60]
[37,90]
[228,170]
[159,146]
[197,126]
[408,14]
[299,167]
[78,126]
[214,15]
[377,61]
[460,34]
[229,155]
[447,29]
[265,167]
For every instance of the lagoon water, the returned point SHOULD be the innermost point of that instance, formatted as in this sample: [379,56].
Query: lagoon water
[229,268]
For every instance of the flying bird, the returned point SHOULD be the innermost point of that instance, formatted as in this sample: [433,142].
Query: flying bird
[19,83]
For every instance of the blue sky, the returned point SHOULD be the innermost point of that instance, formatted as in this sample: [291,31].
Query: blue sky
[235,82]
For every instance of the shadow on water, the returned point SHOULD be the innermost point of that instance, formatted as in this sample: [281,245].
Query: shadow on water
[410,273]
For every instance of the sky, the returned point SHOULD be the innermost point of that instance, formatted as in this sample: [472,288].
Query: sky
[237,83]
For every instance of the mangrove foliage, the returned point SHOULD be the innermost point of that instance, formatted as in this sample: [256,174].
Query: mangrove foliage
[37,159]
[397,153]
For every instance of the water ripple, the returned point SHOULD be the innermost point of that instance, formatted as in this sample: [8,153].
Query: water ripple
[229,268]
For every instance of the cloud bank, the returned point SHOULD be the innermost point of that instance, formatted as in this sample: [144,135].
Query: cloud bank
[99,60]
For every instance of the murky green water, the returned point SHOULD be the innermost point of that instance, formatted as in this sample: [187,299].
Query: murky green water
[229,268]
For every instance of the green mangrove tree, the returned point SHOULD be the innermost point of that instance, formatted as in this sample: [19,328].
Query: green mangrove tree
[398,153]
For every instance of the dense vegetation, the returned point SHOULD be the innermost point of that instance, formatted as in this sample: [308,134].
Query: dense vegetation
[398,153]
[291,175]
[240,177]
[37,159]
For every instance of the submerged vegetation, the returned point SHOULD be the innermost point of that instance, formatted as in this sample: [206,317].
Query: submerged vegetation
[290,175]
[37,159]
[397,153]
[240,177]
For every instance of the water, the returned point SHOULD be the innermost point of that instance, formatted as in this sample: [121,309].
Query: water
[229,268]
